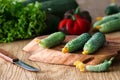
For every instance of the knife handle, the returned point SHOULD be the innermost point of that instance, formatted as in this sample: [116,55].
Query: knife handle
[7,56]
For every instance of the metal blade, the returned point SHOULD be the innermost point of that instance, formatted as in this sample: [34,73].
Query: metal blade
[25,66]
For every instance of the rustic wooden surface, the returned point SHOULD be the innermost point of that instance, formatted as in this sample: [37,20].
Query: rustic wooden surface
[9,71]
[55,56]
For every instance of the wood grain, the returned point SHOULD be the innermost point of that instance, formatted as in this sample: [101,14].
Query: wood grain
[9,71]
[55,56]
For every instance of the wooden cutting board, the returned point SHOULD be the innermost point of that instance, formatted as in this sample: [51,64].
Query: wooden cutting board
[55,56]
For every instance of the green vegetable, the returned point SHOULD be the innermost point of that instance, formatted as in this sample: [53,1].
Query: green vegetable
[100,67]
[25,2]
[57,7]
[119,8]
[76,43]
[52,40]
[94,43]
[106,19]
[23,22]
[19,22]
[110,26]
[98,23]
[111,9]
[96,68]
[52,23]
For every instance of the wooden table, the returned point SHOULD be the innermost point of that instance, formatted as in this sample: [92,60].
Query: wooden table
[10,71]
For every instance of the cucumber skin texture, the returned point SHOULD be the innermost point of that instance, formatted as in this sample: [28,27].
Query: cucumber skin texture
[106,19]
[52,40]
[110,26]
[98,23]
[78,42]
[95,42]
[99,68]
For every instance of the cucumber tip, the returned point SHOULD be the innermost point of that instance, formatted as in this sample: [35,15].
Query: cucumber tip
[65,50]
[80,65]
[85,52]
[38,41]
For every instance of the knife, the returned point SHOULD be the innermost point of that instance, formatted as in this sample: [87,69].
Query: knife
[9,57]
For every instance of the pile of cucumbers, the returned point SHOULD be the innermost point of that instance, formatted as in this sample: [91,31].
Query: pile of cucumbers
[89,43]
[108,24]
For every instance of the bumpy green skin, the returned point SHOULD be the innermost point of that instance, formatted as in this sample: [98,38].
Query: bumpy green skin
[78,42]
[95,42]
[110,26]
[106,19]
[100,67]
[52,40]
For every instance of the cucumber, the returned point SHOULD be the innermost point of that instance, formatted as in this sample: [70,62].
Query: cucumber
[76,43]
[57,7]
[52,23]
[106,19]
[100,67]
[113,25]
[94,43]
[52,40]
[111,9]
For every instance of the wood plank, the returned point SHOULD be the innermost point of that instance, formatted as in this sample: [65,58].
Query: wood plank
[56,72]
[55,56]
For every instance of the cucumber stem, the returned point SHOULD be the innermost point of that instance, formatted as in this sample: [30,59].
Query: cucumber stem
[80,65]
[110,61]
[98,27]
[65,50]
[38,41]
[85,52]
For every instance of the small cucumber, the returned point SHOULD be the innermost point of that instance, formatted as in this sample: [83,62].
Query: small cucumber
[106,19]
[52,40]
[94,43]
[100,67]
[96,24]
[96,68]
[76,43]
[111,9]
[113,25]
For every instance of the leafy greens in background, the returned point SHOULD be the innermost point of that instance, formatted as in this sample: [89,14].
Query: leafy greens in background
[21,22]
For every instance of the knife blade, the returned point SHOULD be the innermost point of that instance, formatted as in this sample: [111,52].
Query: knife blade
[11,58]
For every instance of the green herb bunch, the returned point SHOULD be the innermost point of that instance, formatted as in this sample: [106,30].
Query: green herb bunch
[21,22]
